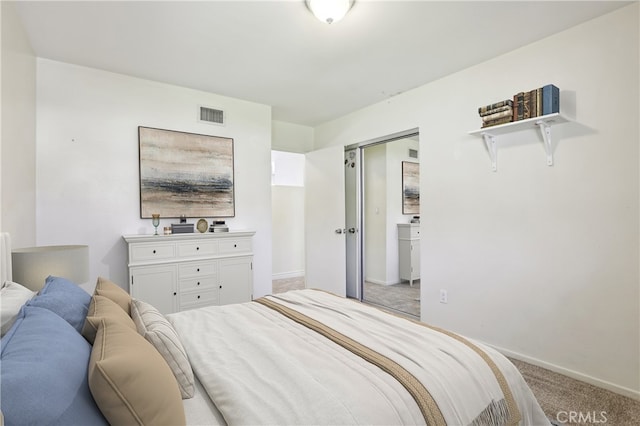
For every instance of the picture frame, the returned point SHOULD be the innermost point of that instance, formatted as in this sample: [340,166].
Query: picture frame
[185,174]
[410,187]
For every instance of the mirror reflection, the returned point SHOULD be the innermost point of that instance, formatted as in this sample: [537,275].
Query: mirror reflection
[391,240]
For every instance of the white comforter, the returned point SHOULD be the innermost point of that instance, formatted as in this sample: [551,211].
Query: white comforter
[259,367]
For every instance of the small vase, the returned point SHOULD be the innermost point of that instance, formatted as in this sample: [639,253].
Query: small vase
[155,220]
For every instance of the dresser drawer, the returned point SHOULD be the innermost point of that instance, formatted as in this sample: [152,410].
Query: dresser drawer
[197,248]
[204,297]
[195,283]
[140,252]
[240,245]
[196,305]
[198,269]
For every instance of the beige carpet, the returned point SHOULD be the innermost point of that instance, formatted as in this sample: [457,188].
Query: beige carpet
[563,399]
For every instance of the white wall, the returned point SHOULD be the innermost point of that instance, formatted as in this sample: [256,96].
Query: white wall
[18,129]
[288,231]
[87,161]
[287,214]
[287,168]
[291,137]
[540,261]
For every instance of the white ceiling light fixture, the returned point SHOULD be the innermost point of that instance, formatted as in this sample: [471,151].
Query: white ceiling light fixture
[329,11]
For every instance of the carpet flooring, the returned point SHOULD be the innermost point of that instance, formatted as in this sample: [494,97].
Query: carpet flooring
[398,297]
[564,400]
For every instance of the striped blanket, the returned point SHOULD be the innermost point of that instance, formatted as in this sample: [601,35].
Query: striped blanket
[309,357]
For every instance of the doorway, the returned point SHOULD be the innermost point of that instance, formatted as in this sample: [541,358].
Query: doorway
[385,240]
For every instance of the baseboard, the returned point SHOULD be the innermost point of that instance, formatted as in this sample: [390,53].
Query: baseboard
[631,393]
[290,274]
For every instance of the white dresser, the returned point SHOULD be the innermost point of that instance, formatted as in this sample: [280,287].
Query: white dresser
[409,251]
[185,271]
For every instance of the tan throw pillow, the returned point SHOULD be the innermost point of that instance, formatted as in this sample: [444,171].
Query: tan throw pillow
[158,331]
[99,308]
[130,381]
[113,291]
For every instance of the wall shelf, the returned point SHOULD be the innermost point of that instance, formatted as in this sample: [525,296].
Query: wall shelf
[542,123]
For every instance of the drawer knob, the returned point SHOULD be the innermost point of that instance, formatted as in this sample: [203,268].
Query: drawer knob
[198,296]
[174,293]
[220,286]
[198,283]
[197,248]
[154,252]
[235,245]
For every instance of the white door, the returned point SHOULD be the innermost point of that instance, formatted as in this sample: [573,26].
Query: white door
[325,264]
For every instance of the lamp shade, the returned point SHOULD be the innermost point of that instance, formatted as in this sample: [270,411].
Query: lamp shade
[32,265]
[329,11]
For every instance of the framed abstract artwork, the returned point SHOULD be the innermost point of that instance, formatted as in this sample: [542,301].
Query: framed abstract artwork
[410,187]
[185,174]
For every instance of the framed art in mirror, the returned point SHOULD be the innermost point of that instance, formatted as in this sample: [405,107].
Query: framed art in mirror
[410,187]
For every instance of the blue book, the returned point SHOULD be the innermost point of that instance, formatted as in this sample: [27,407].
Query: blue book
[550,99]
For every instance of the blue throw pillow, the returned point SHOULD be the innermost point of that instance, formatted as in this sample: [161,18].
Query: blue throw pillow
[43,368]
[64,298]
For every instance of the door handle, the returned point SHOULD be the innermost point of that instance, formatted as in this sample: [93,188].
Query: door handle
[352,230]
[340,231]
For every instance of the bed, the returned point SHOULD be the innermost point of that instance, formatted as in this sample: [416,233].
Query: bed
[301,357]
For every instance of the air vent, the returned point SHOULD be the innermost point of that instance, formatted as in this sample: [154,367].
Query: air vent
[211,115]
[413,153]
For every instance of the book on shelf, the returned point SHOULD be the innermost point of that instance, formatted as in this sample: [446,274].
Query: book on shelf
[484,110]
[532,103]
[526,105]
[538,102]
[518,106]
[496,115]
[496,110]
[497,121]
[550,99]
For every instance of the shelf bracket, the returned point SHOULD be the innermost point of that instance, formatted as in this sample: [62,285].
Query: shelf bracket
[490,142]
[545,131]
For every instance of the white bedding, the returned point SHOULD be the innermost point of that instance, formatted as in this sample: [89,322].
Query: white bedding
[200,410]
[259,367]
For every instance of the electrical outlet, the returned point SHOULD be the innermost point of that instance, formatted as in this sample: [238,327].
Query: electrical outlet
[443,296]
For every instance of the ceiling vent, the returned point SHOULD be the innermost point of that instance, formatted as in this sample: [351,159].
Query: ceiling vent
[413,153]
[211,115]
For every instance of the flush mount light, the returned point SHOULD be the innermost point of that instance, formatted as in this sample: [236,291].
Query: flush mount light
[329,11]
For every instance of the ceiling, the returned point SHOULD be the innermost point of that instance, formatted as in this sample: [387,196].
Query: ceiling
[277,53]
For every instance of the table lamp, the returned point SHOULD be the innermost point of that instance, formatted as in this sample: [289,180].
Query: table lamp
[32,265]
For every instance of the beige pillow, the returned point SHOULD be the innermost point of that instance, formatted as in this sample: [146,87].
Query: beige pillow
[130,381]
[99,308]
[12,297]
[113,291]
[160,333]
